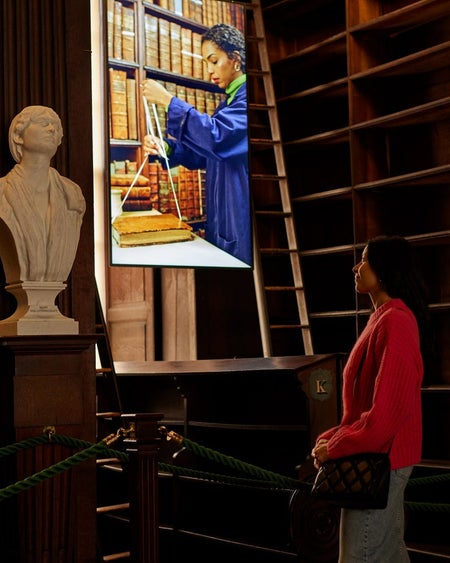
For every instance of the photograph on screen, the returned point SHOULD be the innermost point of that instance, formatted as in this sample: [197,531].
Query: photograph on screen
[179,193]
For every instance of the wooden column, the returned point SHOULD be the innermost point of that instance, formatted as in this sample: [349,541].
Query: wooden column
[48,381]
[179,321]
[142,446]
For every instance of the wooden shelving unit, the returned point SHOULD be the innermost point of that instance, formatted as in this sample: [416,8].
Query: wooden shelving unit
[363,99]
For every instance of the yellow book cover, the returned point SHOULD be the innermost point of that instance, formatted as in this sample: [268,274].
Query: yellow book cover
[141,230]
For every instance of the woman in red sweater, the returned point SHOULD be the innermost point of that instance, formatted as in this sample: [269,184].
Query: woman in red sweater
[382,397]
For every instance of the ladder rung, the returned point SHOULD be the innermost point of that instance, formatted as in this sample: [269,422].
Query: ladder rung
[261,107]
[268,212]
[291,326]
[113,508]
[117,556]
[271,177]
[110,462]
[279,251]
[254,39]
[257,72]
[282,288]
[103,370]
[269,142]
[108,414]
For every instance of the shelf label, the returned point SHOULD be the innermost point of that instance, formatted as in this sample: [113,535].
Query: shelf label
[320,384]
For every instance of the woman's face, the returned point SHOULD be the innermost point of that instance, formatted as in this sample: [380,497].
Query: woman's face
[222,70]
[42,135]
[366,281]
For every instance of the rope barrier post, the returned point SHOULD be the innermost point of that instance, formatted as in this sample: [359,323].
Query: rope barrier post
[142,444]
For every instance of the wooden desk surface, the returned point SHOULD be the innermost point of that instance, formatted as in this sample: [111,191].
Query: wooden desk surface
[289,363]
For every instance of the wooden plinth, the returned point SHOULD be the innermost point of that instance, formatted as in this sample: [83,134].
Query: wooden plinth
[48,381]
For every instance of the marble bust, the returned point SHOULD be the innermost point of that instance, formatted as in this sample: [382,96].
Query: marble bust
[41,213]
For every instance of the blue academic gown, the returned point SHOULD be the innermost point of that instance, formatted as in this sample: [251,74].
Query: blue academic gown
[219,144]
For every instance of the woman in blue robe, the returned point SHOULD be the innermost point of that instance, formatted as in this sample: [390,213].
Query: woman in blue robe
[217,143]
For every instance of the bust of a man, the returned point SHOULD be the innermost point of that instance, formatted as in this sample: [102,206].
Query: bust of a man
[42,209]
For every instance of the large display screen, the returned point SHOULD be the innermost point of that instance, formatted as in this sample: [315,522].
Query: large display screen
[179,192]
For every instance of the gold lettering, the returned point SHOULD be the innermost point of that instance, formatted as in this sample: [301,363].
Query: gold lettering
[320,386]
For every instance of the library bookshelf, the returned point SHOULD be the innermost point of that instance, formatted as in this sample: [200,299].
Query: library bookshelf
[160,40]
[363,90]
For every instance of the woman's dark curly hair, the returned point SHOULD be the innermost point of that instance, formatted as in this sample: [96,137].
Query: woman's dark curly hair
[229,39]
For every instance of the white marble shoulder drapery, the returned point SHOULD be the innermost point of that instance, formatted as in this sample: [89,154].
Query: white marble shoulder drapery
[46,247]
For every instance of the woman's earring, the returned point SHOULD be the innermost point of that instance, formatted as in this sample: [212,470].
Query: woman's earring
[237,68]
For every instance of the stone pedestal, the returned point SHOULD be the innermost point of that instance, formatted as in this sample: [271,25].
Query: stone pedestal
[37,313]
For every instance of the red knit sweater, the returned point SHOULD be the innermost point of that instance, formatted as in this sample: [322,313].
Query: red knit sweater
[381,390]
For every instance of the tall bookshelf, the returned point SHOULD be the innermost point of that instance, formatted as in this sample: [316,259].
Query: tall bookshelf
[363,91]
[159,40]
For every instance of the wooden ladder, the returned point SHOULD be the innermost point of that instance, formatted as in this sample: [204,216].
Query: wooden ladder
[280,294]
[109,403]
[112,508]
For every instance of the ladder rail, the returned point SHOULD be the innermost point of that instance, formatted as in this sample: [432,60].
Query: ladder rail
[261,302]
[105,353]
[281,177]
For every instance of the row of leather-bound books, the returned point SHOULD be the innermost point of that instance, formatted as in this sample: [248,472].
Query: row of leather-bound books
[169,45]
[124,101]
[205,12]
[157,190]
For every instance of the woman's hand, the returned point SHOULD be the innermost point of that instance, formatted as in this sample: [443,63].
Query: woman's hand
[320,453]
[156,93]
[152,145]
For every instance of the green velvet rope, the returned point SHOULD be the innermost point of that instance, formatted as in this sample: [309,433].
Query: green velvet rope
[233,463]
[51,471]
[440,478]
[265,478]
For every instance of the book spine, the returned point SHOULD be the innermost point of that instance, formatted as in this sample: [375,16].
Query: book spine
[110,27]
[132,109]
[164,44]
[190,96]
[200,100]
[153,177]
[187,8]
[136,193]
[118,103]
[197,61]
[175,47]
[117,32]
[137,205]
[151,40]
[128,34]
[186,52]
[196,10]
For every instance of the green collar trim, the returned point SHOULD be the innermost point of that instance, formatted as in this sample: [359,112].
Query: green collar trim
[233,87]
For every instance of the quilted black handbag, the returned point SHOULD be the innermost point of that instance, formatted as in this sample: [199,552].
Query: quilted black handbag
[357,481]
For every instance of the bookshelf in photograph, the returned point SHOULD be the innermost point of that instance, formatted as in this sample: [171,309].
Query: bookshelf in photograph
[159,40]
